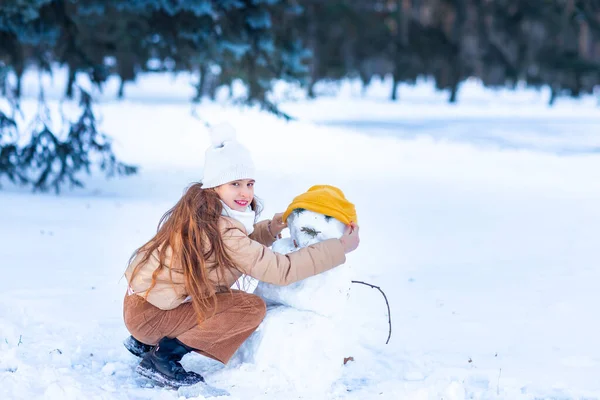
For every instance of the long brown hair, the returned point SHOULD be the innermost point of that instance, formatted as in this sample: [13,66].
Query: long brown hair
[191,230]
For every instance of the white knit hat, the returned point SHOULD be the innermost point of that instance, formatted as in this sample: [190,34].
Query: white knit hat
[226,159]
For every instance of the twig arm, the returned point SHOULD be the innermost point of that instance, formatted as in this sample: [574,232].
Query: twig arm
[386,303]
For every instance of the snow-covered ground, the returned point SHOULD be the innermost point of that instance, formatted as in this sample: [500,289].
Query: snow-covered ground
[480,221]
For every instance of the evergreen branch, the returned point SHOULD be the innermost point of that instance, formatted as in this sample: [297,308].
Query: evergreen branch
[9,152]
[274,109]
[52,162]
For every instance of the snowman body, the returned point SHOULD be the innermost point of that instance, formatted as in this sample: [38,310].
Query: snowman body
[301,338]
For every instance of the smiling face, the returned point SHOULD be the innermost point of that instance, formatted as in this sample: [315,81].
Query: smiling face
[237,194]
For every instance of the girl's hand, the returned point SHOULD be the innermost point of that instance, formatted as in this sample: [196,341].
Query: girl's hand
[277,225]
[350,239]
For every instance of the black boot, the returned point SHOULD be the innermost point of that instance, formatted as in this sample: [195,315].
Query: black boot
[136,347]
[162,366]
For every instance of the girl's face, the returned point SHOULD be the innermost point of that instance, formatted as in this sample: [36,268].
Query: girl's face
[237,194]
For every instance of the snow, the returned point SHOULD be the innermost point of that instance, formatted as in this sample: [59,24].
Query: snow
[480,221]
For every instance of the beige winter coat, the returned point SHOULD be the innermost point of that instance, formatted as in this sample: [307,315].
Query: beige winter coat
[250,254]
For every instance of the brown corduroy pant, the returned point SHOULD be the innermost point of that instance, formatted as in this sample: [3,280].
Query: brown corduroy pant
[236,316]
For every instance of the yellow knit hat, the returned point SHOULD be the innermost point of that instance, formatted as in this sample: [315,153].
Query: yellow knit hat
[327,200]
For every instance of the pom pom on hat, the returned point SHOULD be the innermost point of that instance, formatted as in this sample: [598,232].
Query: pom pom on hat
[226,159]
[327,200]
[221,133]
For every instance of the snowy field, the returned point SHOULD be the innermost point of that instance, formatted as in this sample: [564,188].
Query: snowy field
[480,221]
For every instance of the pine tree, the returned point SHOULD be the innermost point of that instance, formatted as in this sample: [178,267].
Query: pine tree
[51,163]
[41,30]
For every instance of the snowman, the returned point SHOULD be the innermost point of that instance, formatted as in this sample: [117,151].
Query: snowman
[302,338]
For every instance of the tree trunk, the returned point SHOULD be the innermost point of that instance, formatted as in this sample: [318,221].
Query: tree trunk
[18,89]
[400,43]
[365,80]
[577,89]
[3,86]
[255,91]
[71,82]
[456,66]
[18,59]
[312,44]
[201,86]
[453,93]
[19,68]
[212,88]
[311,89]
[121,93]
[395,83]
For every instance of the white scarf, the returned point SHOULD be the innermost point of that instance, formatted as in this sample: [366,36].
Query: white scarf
[245,217]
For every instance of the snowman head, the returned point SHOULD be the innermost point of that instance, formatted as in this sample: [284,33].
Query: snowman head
[309,227]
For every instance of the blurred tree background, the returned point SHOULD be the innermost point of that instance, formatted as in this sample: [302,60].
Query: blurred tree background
[553,43]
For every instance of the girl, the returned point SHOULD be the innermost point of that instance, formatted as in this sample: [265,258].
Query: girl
[179,297]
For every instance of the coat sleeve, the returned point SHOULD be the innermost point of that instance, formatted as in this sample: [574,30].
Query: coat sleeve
[258,261]
[261,234]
